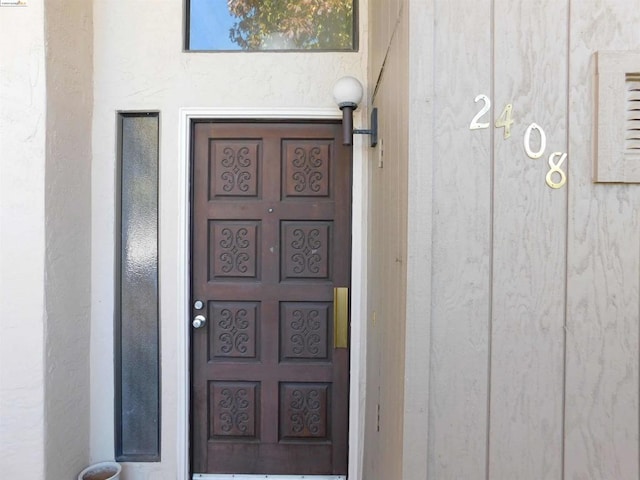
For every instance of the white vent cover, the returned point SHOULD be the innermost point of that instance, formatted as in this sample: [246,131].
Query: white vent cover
[632,134]
[618,117]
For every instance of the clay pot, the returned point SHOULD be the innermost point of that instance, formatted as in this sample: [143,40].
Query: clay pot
[101,471]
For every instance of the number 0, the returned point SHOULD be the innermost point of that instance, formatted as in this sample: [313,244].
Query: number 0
[474,125]
[527,141]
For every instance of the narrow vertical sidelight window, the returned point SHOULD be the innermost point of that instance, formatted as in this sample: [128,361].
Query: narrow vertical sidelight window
[137,338]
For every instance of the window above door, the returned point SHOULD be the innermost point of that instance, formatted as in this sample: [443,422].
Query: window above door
[271,25]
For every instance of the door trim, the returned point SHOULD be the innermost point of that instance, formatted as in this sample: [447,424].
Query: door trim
[357,381]
[200,476]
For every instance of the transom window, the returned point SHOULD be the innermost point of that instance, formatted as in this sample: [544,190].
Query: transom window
[228,25]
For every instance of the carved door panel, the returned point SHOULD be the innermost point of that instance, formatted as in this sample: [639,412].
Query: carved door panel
[271,233]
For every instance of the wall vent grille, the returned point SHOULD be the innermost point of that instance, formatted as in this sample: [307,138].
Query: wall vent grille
[617,142]
[632,133]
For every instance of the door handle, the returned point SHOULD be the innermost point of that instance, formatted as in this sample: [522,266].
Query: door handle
[341,317]
[199,321]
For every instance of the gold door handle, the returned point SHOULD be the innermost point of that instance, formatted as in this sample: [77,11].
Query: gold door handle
[341,317]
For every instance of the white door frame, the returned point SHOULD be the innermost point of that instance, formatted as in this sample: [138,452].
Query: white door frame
[358,274]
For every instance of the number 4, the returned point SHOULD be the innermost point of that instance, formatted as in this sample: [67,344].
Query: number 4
[505,120]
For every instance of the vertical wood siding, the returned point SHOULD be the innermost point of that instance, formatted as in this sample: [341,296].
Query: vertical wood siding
[534,367]
[461,245]
[387,268]
[419,187]
[601,414]
[529,238]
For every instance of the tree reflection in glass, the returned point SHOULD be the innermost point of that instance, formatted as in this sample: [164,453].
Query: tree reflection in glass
[271,25]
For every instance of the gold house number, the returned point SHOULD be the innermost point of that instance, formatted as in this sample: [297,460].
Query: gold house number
[505,121]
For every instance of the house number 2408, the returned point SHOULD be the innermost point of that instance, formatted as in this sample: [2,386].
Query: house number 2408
[556,159]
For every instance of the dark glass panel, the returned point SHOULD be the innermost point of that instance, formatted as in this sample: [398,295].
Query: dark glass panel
[137,333]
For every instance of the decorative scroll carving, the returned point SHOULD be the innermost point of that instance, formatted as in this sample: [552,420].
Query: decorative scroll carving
[306,250]
[234,407]
[233,331]
[307,169]
[305,411]
[233,410]
[307,244]
[306,325]
[304,330]
[307,176]
[233,245]
[235,248]
[235,169]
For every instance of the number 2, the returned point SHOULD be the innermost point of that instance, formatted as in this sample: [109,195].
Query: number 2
[474,125]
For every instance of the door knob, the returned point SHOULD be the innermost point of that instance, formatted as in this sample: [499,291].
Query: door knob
[199,321]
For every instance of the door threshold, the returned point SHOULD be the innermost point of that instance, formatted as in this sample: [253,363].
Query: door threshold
[238,476]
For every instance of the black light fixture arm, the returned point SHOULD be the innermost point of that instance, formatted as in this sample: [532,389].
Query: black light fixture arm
[347,126]
[372,130]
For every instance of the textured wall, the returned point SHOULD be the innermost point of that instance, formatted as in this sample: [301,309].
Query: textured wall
[44,235]
[139,65]
[69,64]
[22,240]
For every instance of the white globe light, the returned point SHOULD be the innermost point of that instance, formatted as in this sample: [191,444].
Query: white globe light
[347,92]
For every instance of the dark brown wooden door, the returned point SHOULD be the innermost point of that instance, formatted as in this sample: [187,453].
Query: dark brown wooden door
[271,226]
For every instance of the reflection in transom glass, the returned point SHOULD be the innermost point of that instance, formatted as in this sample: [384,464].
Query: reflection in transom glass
[271,25]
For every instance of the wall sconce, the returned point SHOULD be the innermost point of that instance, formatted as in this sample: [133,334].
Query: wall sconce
[347,93]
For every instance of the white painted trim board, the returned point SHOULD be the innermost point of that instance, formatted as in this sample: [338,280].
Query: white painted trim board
[358,283]
[199,476]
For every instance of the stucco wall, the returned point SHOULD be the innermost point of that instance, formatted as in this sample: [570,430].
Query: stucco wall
[45,104]
[22,240]
[139,65]
[69,39]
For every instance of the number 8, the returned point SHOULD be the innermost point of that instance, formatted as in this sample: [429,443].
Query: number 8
[554,167]
[527,141]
